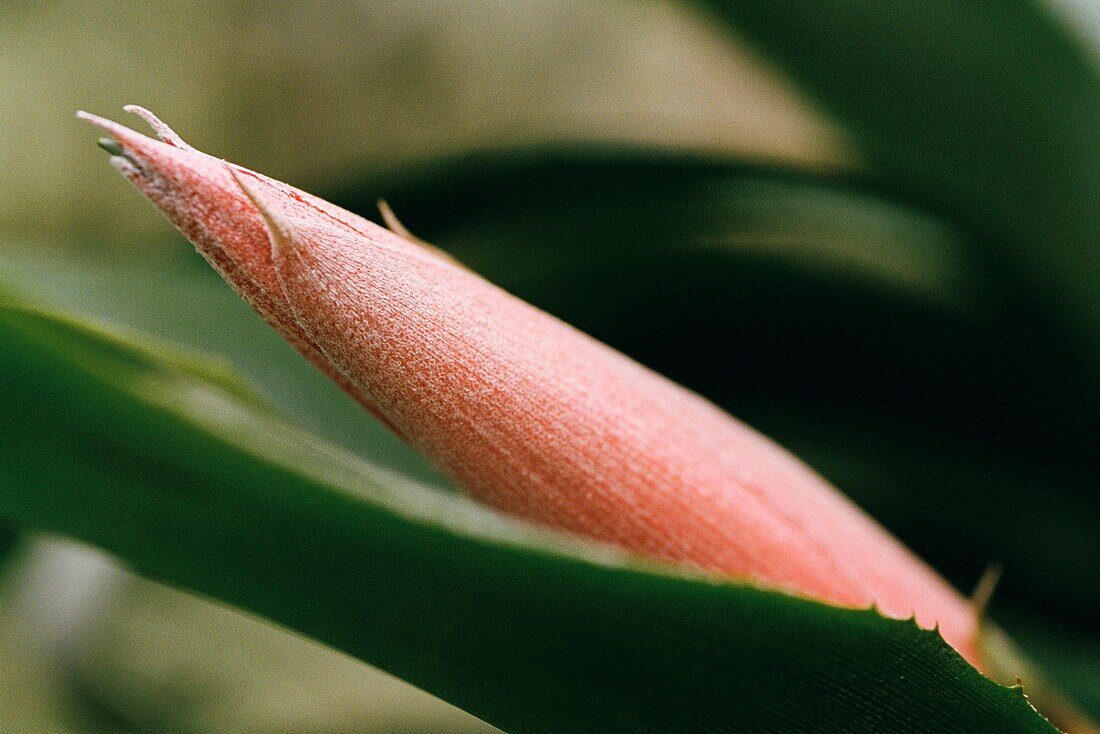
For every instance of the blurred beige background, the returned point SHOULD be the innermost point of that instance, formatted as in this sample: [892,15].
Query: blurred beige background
[305,90]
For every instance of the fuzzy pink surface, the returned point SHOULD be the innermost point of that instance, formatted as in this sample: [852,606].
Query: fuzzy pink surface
[523,411]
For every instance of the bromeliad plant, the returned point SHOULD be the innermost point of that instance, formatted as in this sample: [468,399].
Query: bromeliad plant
[524,412]
[630,557]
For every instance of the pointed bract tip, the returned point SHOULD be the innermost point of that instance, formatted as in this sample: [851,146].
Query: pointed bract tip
[103,123]
[126,141]
[164,133]
[112,142]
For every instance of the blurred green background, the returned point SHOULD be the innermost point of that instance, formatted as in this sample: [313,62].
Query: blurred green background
[634,167]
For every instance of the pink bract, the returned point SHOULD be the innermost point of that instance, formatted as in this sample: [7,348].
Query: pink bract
[521,410]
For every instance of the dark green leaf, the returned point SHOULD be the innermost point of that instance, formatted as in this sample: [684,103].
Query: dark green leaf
[9,537]
[192,484]
[168,290]
[986,111]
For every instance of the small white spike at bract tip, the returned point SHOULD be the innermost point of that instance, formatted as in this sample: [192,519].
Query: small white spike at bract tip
[119,159]
[102,123]
[394,225]
[164,133]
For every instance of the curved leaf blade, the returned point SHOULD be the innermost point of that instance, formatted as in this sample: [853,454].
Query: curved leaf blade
[985,111]
[521,627]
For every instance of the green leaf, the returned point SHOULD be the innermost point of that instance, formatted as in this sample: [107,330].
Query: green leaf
[520,213]
[9,538]
[192,484]
[986,111]
[183,302]
[861,333]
